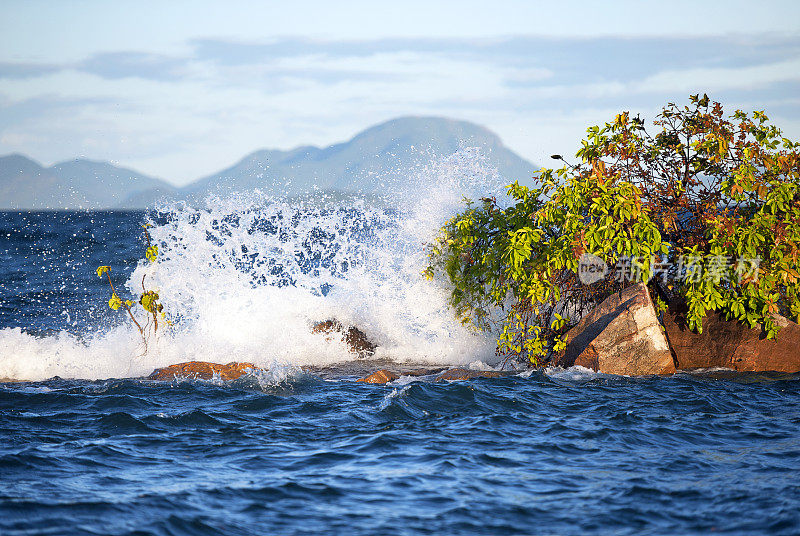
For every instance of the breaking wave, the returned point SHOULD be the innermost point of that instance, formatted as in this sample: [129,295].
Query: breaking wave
[247,276]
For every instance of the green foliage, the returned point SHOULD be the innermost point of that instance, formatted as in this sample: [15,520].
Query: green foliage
[151,253]
[148,300]
[715,199]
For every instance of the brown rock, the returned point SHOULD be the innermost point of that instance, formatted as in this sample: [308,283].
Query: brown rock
[381,376]
[730,344]
[356,339]
[385,375]
[466,374]
[203,371]
[622,335]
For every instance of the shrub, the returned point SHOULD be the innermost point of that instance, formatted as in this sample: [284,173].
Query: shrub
[706,203]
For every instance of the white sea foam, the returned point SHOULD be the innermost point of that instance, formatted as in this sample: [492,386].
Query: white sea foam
[248,276]
[574,373]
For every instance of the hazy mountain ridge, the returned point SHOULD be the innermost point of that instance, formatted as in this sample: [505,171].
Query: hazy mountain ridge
[75,184]
[382,155]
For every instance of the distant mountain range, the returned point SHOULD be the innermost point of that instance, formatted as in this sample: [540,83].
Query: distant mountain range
[380,155]
[26,185]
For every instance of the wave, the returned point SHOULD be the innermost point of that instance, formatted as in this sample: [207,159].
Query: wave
[247,276]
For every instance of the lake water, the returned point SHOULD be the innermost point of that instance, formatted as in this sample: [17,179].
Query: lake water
[86,447]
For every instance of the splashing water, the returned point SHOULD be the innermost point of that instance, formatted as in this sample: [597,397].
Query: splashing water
[246,278]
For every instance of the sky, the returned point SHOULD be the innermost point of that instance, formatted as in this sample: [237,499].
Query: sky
[182,90]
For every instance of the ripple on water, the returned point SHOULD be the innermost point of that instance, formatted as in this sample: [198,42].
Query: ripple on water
[523,454]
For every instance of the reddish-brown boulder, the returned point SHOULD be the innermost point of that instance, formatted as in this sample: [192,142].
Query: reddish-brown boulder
[355,339]
[730,344]
[622,335]
[381,376]
[200,370]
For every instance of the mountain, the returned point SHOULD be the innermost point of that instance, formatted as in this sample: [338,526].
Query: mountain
[383,154]
[76,184]
[26,184]
[377,158]
[103,185]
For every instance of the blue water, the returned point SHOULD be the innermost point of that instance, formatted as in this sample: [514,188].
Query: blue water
[547,452]
[47,263]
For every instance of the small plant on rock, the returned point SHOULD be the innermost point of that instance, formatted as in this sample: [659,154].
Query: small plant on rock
[148,299]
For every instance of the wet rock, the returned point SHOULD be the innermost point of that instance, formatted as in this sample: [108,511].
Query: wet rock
[730,344]
[356,340]
[385,375]
[381,376]
[423,371]
[466,374]
[622,335]
[200,370]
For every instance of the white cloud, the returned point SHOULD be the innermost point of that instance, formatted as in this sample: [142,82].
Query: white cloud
[752,77]
[539,96]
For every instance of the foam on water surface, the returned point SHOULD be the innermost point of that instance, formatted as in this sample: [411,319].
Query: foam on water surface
[246,277]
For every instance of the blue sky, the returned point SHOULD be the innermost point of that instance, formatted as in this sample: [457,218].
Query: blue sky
[182,90]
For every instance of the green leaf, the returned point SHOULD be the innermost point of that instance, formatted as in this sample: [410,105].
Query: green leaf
[115,303]
[152,253]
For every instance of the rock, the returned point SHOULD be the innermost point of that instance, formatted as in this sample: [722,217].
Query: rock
[423,371]
[386,376]
[356,339]
[466,374]
[203,371]
[730,344]
[622,335]
[381,376]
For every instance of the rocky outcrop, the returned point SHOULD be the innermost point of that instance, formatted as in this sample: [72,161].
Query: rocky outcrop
[200,370]
[622,335]
[730,344]
[356,340]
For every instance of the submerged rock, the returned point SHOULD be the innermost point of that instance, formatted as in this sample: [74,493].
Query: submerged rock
[356,340]
[200,370]
[622,335]
[730,344]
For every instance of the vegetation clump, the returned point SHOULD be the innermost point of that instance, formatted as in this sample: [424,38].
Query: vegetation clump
[703,206]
